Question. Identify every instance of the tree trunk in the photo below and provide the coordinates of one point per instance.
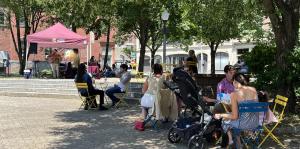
(142, 56)
(152, 57)
(74, 27)
(213, 49)
(285, 24)
(143, 41)
(107, 44)
(19, 46)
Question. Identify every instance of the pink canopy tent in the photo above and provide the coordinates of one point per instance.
(57, 36)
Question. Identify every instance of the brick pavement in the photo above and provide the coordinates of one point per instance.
(38, 123)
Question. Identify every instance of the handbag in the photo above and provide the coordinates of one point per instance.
(139, 125)
(147, 100)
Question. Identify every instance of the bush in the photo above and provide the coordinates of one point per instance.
(46, 73)
(262, 65)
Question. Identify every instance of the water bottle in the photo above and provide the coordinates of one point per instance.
(219, 96)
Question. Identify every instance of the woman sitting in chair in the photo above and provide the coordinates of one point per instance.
(242, 93)
(83, 77)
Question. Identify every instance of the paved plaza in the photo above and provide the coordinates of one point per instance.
(38, 123)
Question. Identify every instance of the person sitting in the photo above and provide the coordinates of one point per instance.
(92, 61)
(83, 76)
(125, 78)
(108, 71)
(263, 96)
(226, 85)
(242, 93)
(114, 70)
(69, 74)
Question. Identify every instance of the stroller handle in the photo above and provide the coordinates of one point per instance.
(171, 85)
(202, 104)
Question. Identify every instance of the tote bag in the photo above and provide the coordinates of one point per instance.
(147, 100)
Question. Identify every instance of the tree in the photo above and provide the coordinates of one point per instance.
(174, 32)
(92, 15)
(284, 17)
(135, 17)
(141, 17)
(128, 51)
(25, 14)
(214, 22)
(73, 13)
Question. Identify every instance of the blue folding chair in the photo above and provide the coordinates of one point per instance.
(249, 128)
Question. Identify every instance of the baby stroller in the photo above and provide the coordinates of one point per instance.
(190, 125)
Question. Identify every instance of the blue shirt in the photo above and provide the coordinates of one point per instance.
(86, 79)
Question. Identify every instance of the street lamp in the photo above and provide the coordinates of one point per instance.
(164, 17)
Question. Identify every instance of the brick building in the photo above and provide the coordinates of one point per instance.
(7, 46)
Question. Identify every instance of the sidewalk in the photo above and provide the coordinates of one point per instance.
(39, 123)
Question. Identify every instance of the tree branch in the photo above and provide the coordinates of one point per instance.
(271, 11)
(12, 32)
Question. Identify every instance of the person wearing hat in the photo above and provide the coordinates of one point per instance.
(226, 85)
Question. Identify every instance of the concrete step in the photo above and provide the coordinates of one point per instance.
(17, 85)
(55, 88)
(42, 95)
(40, 90)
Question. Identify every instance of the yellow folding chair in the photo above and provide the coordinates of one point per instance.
(122, 97)
(92, 98)
(139, 76)
(280, 101)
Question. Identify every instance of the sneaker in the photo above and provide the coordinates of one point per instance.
(115, 102)
(101, 108)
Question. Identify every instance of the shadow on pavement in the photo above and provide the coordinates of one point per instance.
(107, 129)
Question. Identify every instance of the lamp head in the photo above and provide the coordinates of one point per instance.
(165, 15)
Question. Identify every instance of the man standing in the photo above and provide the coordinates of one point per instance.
(55, 59)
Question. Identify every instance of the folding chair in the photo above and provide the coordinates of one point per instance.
(139, 76)
(279, 101)
(122, 97)
(245, 110)
(92, 98)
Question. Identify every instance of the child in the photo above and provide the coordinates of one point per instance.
(269, 117)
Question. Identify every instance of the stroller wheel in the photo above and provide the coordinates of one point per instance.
(197, 142)
(173, 137)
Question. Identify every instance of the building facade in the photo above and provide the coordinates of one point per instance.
(7, 47)
(228, 52)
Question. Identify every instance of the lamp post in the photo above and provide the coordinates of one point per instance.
(164, 17)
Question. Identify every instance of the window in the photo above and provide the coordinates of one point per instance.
(2, 18)
(221, 60)
(147, 60)
(157, 59)
(242, 51)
